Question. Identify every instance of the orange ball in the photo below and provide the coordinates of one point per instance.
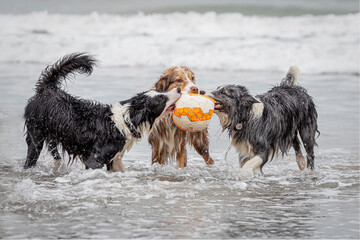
(193, 112)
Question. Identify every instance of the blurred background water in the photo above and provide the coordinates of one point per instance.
(247, 7)
(243, 42)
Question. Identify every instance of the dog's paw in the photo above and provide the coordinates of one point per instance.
(210, 161)
(245, 173)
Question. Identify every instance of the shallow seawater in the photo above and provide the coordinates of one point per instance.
(195, 202)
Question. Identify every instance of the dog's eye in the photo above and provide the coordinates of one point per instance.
(178, 80)
(193, 79)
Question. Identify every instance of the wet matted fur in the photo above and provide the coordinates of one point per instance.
(98, 134)
(263, 125)
(166, 139)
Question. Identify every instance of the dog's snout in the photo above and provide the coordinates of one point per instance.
(194, 89)
(178, 90)
(202, 92)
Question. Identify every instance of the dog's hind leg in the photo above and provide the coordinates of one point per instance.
(299, 157)
(308, 139)
(35, 143)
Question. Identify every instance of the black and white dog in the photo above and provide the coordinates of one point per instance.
(95, 133)
(261, 126)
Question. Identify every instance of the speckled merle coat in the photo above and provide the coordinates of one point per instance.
(263, 125)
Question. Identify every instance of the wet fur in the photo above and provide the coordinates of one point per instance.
(260, 127)
(93, 132)
(167, 140)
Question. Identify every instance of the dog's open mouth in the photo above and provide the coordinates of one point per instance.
(218, 104)
(170, 108)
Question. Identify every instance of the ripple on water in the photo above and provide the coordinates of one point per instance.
(163, 199)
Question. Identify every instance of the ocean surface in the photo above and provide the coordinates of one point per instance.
(251, 43)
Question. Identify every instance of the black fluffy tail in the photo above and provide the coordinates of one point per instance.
(292, 76)
(53, 75)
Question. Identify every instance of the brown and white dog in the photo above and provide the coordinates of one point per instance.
(167, 140)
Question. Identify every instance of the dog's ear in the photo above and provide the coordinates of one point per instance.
(163, 83)
(139, 117)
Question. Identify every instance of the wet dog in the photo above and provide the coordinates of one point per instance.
(167, 140)
(97, 134)
(263, 125)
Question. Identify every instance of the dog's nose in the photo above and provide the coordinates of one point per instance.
(194, 89)
(202, 92)
(178, 90)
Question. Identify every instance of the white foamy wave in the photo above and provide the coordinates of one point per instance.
(227, 41)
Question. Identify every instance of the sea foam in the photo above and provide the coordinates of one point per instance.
(226, 41)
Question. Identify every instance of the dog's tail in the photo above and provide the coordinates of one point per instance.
(52, 76)
(292, 76)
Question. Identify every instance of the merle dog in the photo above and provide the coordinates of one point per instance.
(97, 134)
(261, 126)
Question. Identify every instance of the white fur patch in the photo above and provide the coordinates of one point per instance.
(187, 78)
(189, 83)
(119, 114)
(153, 93)
(224, 119)
(257, 109)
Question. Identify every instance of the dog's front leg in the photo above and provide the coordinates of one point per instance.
(100, 155)
(250, 167)
(200, 142)
(117, 164)
(243, 160)
(181, 156)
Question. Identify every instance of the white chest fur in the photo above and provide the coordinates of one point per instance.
(120, 115)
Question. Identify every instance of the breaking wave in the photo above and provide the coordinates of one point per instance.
(217, 41)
